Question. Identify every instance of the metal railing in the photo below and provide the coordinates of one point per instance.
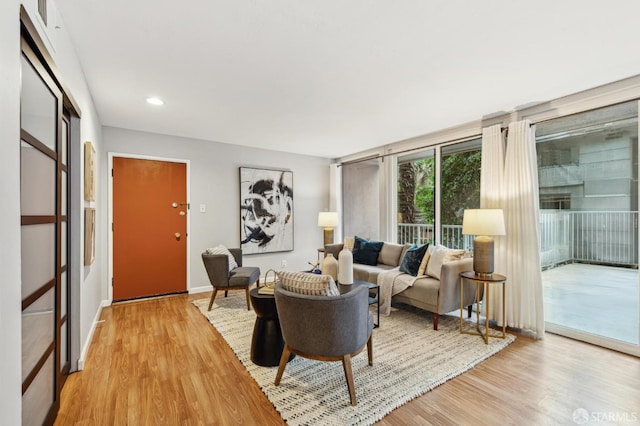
(609, 238)
(600, 237)
(420, 233)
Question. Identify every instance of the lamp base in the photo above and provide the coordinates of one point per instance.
(328, 236)
(483, 256)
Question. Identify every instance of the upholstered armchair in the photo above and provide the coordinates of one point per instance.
(224, 278)
(325, 328)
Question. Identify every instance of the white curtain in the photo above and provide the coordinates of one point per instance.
(492, 197)
(518, 253)
(525, 308)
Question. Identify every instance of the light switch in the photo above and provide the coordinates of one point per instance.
(203, 208)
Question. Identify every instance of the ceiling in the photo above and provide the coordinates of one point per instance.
(335, 77)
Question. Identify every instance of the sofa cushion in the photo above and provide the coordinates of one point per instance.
(349, 242)
(412, 259)
(440, 255)
(425, 261)
(425, 292)
(366, 252)
(310, 284)
(369, 273)
(390, 254)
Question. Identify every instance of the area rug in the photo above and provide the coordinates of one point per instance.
(410, 359)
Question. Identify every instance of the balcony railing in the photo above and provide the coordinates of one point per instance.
(608, 238)
(420, 233)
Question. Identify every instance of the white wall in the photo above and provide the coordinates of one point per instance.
(214, 181)
(10, 299)
(87, 279)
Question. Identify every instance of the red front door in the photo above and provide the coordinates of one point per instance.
(149, 228)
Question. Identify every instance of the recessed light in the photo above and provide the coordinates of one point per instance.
(155, 101)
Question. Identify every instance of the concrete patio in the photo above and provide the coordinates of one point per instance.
(601, 300)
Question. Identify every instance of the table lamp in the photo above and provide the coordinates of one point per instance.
(483, 223)
(328, 221)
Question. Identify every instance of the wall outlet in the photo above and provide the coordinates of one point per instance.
(203, 208)
(283, 264)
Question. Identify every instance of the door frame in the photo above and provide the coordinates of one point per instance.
(111, 156)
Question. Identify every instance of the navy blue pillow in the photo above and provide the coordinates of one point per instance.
(412, 259)
(366, 252)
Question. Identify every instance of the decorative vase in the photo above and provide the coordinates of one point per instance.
(345, 267)
(330, 266)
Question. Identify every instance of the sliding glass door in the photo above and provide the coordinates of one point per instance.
(588, 187)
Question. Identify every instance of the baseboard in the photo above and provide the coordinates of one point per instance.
(96, 321)
(202, 289)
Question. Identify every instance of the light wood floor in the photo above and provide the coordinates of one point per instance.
(159, 362)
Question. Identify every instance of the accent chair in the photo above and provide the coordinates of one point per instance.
(325, 328)
(222, 278)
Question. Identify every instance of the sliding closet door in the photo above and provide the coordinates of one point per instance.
(43, 223)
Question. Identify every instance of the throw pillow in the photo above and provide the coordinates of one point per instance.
(440, 256)
(366, 252)
(349, 242)
(310, 284)
(223, 250)
(425, 260)
(412, 259)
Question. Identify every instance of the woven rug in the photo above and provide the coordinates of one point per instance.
(409, 359)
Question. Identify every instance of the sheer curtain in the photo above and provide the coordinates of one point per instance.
(361, 199)
(492, 197)
(525, 308)
(515, 190)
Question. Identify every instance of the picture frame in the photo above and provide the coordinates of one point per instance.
(89, 172)
(89, 235)
(266, 210)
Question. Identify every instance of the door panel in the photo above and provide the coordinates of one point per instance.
(149, 234)
(588, 187)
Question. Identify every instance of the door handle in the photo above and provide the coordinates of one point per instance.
(177, 235)
(175, 205)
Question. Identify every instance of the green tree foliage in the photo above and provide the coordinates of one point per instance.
(406, 193)
(425, 184)
(460, 186)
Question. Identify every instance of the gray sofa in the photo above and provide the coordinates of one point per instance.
(433, 295)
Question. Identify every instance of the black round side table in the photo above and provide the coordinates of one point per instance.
(267, 342)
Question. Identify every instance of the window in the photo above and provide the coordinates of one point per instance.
(459, 189)
(419, 187)
(416, 198)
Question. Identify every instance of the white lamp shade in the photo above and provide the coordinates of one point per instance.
(328, 219)
(483, 222)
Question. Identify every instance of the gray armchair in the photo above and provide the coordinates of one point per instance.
(221, 278)
(325, 328)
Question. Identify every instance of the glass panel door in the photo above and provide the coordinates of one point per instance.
(588, 186)
(41, 226)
